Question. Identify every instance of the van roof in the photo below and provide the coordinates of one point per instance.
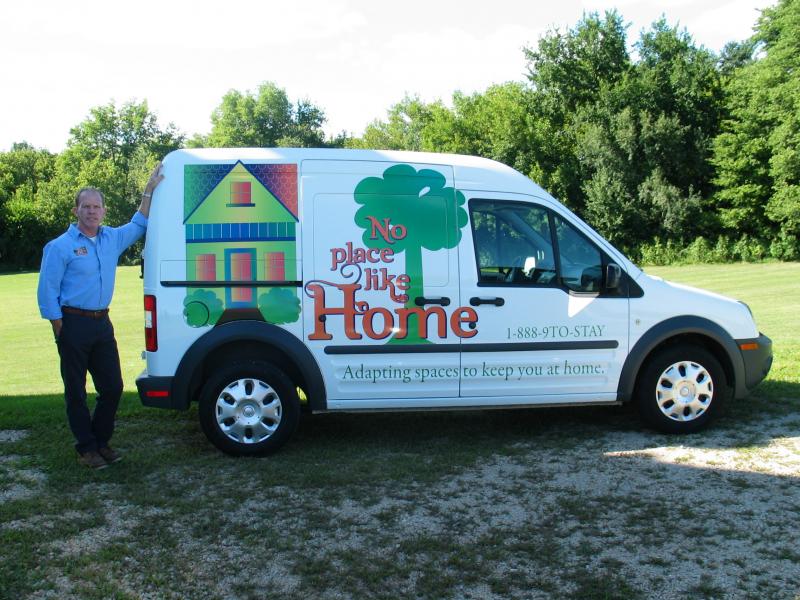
(471, 172)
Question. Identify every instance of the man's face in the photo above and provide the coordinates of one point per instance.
(90, 212)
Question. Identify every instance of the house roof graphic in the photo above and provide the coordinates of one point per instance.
(200, 181)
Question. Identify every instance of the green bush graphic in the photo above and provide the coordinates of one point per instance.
(279, 305)
(202, 307)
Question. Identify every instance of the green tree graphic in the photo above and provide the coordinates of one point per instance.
(418, 201)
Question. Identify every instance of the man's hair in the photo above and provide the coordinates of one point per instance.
(89, 190)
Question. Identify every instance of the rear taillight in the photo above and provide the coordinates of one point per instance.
(150, 324)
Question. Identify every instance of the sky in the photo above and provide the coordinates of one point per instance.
(352, 58)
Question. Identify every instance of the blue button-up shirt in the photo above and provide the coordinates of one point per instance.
(80, 273)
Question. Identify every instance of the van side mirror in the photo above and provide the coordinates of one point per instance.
(613, 276)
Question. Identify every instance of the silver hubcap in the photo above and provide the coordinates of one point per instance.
(684, 391)
(248, 411)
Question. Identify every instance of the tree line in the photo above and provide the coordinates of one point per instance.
(670, 151)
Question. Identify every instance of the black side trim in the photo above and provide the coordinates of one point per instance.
(676, 326)
(145, 383)
(492, 347)
(249, 331)
(230, 284)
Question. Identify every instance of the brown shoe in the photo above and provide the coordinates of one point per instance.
(109, 454)
(93, 460)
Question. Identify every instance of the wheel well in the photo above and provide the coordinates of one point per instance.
(244, 350)
(696, 339)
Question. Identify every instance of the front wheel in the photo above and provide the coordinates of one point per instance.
(681, 389)
(249, 408)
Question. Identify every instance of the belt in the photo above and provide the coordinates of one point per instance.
(92, 314)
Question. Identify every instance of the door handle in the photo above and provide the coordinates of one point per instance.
(422, 301)
(475, 301)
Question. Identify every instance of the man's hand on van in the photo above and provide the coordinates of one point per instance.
(156, 177)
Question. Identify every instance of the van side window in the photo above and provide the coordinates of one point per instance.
(581, 262)
(512, 243)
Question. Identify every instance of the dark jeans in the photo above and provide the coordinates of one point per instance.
(87, 344)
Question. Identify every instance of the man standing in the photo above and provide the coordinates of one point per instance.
(76, 283)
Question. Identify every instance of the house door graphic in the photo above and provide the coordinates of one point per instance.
(240, 265)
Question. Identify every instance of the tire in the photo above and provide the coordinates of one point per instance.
(681, 389)
(249, 408)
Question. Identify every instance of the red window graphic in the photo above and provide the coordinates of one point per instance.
(274, 266)
(240, 193)
(205, 267)
(242, 270)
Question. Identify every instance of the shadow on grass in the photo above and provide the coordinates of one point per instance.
(369, 447)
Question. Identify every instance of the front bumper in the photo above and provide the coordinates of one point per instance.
(155, 391)
(757, 359)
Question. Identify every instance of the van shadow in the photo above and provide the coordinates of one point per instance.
(592, 481)
(771, 412)
(367, 446)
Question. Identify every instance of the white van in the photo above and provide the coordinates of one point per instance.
(366, 280)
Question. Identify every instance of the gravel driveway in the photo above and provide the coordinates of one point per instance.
(602, 510)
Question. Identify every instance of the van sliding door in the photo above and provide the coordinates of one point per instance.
(382, 282)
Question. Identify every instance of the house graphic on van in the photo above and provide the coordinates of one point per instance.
(240, 224)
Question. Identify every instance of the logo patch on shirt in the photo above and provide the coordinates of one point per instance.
(82, 251)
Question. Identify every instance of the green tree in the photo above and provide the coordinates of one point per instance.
(681, 82)
(24, 165)
(114, 149)
(629, 145)
(23, 170)
(736, 55)
(264, 119)
(403, 129)
(757, 159)
(493, 124)
(117, 134)
(429, 213)
(567, 71)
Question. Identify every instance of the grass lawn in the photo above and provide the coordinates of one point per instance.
(772, 290)
(28, 339)
(579, 503)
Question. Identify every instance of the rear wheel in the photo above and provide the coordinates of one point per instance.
(249, 408)
(681, 389)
